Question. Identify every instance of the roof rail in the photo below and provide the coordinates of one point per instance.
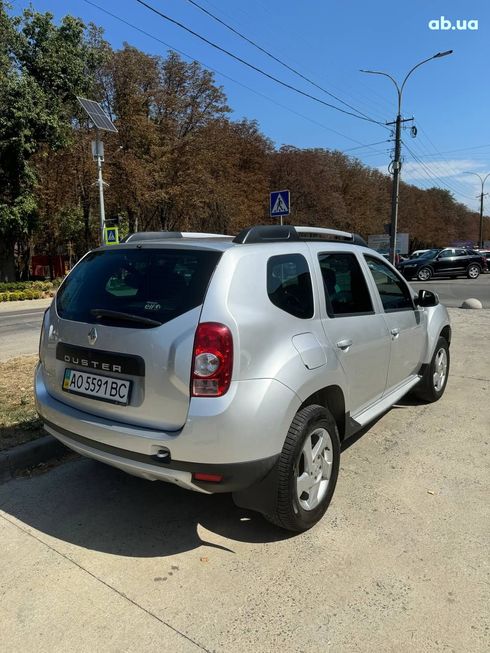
(263, 233)
(163, 235)
(281, 233)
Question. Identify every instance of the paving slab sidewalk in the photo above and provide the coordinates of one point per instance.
(95, 560)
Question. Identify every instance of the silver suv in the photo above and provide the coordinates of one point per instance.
(236, 365)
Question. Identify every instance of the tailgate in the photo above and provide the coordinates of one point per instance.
(118, 341)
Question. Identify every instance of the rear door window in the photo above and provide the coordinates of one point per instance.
(154, 284)
(346, 291)
(289, 284)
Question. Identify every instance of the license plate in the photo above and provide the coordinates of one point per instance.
(105, 388)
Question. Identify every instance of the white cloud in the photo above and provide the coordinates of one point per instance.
(443, 168)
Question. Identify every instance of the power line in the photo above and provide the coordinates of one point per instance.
(350, 149)
(274, 58)
(218, 72)
(444, 167)
(252, 66)
(307, 42)
(431, 175)
(462, 149)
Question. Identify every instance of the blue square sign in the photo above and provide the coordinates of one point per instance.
(279, 203)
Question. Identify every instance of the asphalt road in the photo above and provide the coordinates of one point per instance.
(96, 560)
(453, 292)
(19, 331)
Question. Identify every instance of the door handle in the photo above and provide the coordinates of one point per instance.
(344, 344)
(395, 333)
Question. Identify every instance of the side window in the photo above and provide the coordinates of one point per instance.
(446, 253)
(346, 291)
(394, 293)
(289, 284)
(460, 252)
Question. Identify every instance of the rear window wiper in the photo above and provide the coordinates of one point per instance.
(124, 317)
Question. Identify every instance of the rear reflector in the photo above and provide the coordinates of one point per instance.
(210, 478)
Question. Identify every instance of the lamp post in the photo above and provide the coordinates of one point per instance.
(397, 157)
(482, 195)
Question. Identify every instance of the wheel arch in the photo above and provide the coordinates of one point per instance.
(332, 398)
(446, 333)
(438, 325)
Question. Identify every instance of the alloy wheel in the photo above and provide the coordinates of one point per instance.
(440, 369)
(314, 468)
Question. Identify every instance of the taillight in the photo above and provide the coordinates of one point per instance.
(212, 361)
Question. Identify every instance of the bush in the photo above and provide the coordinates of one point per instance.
(26, 289)
(18, 295)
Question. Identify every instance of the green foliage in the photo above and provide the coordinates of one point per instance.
(43, 66)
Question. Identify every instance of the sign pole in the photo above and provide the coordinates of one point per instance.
(100, 183)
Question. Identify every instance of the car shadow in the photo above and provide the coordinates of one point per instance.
(98, 507)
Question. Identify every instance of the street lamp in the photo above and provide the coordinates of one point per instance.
(397, 158)
(482, 194)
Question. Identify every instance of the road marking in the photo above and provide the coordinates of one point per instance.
(12, 314)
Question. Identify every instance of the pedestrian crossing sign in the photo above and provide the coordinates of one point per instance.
(279, 203)
(111, 235)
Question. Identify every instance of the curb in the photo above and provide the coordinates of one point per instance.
(28, 455)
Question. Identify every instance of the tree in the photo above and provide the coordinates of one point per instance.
(43, 68)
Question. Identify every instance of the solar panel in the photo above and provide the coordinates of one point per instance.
(97, 115)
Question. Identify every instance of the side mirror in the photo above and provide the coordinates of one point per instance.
(427, 298)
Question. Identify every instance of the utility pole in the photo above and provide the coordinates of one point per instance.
(396, 163)
(482, 195)
(395, 189)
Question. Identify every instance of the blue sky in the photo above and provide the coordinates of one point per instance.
(329, 41)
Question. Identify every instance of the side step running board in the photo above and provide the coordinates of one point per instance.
(383, 404)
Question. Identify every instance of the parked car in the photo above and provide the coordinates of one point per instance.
(419, 252)
(447, 262)
(486, 254)
(238, 365)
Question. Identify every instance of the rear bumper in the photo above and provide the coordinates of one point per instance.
(240, 440)
(236, 476)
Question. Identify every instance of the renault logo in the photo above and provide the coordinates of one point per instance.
(92, 335)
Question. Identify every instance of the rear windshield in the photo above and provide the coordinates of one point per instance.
(157, 285)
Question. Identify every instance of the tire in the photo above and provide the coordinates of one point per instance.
(427, 389)
(473, 271)
(313, 427)
(424, 274)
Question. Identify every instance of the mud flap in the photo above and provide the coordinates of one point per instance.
(261, 496)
